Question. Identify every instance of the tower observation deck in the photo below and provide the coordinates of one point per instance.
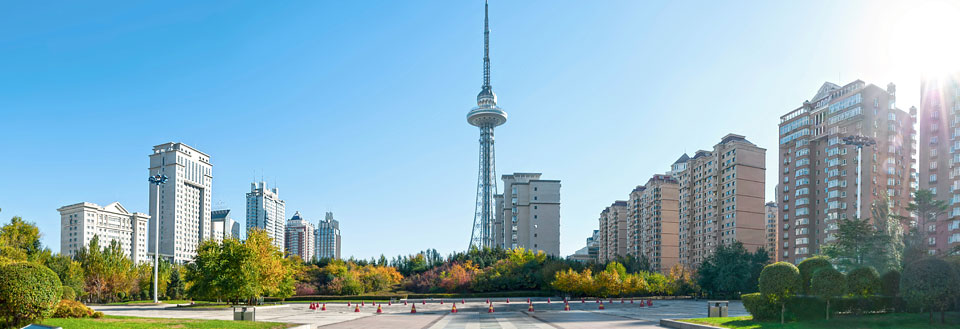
(485, 116)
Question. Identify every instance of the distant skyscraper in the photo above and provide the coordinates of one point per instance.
(300, 238)
(80, 222)
(328, 237)
(939, 119)
(655, 221)
(266, 211)
(486, 116)
(772, 239)
(613, 232)
(184, 200)
(528, 213)
(223, 226)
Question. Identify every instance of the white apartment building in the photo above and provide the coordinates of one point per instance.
(80, 222)
(328, 237)
(300, 238)
(528, 213)
(184, 211)
(223, 226)
(266, 211)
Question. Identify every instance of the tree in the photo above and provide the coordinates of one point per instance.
(858, 243)
(682, 279)
(810, 265)
(28, 292)
(930, 283)
(826, 283)
(175, 285)
(928, 210)
(731, 270)
(21, 235)
(108, 272)
(68, 270)
(863, 281)
(780, 281)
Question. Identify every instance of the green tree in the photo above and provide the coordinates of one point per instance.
(176, 285)
(826, 283)
(857, 243)
(68, 270)
(21, 235)
(108, 272)
(731, 270)
(928, 210)
(780, 281)
(810, 265)
(863, 281)
(930, 283)
(28, 292)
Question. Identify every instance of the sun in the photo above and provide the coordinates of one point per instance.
(924, 39)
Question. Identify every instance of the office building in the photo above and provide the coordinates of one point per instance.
(772, 221)
(613, 232)
(528, 213)
(223, 226)
(721, 199)
(939, 123)
(654, 222)
(818, 175)
(184, 211)
(328, 237)
(80, 222)
(265, 211)
(300, 238)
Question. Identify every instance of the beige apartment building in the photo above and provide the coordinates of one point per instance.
(721, 199)
(528, 213)
(772, 240)
(939, 119)
(654, 222)
(80, 222)
(613, 232)
(818, 183)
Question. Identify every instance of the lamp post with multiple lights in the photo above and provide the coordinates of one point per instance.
(157, 180)
(859, 142)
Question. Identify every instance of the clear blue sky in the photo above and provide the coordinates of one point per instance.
(358, 107)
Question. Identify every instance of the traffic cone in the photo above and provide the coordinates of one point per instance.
(548, 300)
(441, 301)
(641, 303)
(379, 310)
(462, 301)
(490, 309)
(601, 306)
(611, 300)
(413, 308)
(488, 300)
(528, 300)
(454, 310)
(530, 307)
(621, 300)
(508, 300)
(357, 309)
(631, 300)
(389, 302)
(649, 302)
(423, 302)
(582, 300)
(598, 300)
(324, 308)
(566, 307)
(404, 302)
(362, 303)
(348, 304)
(311, 306)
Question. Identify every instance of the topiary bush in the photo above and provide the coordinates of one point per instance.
(780, 281)
(28, 292)
(890, 283)
(808, 266)
(760, 307)
(863, 281)
(68, 293)
(72, 309)
(827, 283)
(931, 284)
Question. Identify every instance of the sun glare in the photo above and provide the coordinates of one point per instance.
(924, 39)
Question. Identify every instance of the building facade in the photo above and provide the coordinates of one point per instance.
(80, 222)
(300, 238)
(223, 226)
(328, 237)
(528, 213)
(614, 229)
(267, 212)
(773, 241)
(184, 211)
(818, 184)
(654, 222)
(721, 199)
(939, 123)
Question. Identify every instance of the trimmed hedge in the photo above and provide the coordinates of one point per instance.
(780, 280)
(814, 308)
(760, 307)
(931, 284)
(72, 309)
(810, 266)
(28, 292)
(863, 281)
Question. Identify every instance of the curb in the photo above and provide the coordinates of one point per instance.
(685, 325)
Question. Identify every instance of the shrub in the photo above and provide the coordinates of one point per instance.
(890, 283)
(827, 283)
(863, 281)
(779, 281)
(97, 315)
(760, 306)
(28, 292)
(930, 284)
(68, 293)
(72, 309)
(809, 266)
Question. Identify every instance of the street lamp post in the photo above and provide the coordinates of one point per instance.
(157, 180)
(859, 142)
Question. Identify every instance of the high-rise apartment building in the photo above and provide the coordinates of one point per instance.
(818, 184)
(328, 237)
(939, 122)
(300, 238)
(80, 222)
(721, 199)
(614, 229)
(223, 226)
(654, 222)
(184, 211)
(770, 209)
(528, 213)
(267, 212)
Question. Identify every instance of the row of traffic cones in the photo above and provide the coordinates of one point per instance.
(530, 308)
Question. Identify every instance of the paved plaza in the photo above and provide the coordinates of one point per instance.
(472, 314)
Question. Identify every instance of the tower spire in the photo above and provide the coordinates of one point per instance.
(486, 44)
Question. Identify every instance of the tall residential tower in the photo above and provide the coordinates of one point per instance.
(528, 213)
(184, 212)
(940, 159)
(266, 211)
(328, 237)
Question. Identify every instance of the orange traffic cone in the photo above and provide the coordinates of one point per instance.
(311, 306)
(362, 303)
(548, 300)
(441, 301)
(404, 303)
(582, 300)
(454, 310)
(389, 302)
(357, 309)
(348, 304)
(324, 308)
(423, 302)
(379, 310)
(528, 300)
(621, 300)
(462, 301)
(508, 300)
(649, 302)
(631, 300)
(566, 307)
(488, 300)
(490, 309)
(601, 306)
(413, 308)
(530, 307)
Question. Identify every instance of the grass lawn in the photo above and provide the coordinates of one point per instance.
(898, 320)
(117, 322)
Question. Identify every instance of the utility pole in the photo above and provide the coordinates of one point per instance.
(859, 142)
(157, 180)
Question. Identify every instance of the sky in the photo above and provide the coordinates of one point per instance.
(358, 107)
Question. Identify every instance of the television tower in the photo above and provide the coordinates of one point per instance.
(485, 116)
